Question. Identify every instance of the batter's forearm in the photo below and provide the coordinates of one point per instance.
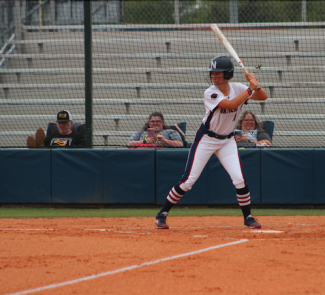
(259, 95)
(234, 103)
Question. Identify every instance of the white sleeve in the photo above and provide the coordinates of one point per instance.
(212, 98)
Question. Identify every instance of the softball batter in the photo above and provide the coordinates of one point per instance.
(223, 103)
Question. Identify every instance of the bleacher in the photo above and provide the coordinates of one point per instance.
(137, 72)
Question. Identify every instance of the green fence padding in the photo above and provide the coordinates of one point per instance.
(287, 176)
(319, 176)
(25, 176)
(145, 176)
(221, 188)
(129, 176)
(170, 166)
(77, 176)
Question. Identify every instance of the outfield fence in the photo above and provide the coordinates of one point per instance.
(149, 56)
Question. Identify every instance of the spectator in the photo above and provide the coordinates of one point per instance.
(64, 138)
(249, 132)
(161, 135)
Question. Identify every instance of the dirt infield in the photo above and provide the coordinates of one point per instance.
(197, 255)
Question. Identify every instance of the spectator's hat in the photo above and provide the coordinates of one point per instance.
(63, 116)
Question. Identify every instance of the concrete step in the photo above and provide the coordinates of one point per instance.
(181, 75)
(171, 42)
(31, 61)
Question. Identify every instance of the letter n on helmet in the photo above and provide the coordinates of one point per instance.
(222, 64)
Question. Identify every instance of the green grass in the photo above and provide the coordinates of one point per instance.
(134, 212)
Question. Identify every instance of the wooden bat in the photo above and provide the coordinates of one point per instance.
(229, 47)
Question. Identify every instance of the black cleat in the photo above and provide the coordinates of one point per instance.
(161, 220)
(251, 222)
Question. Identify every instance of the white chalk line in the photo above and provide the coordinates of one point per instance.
(255, 239)
(154, 229)
(254, 231)
(287, 239)
(28, 229)
(115, 230)
(151, 228)
(121, 231)
(144, 228)
(69, 229)
(127, 268)
(294, 223)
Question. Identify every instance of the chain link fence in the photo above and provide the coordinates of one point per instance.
(241, 11)
(151, 56)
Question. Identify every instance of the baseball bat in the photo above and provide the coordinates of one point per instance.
(229, 47)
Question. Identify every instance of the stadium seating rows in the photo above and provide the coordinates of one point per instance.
(162, 69)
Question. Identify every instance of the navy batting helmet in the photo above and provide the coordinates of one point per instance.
(222, 64)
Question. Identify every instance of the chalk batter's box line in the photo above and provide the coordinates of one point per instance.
(155, 231)
(100, 229)
(127, 268)
(195, 236)
(150, 228)
(130, 230)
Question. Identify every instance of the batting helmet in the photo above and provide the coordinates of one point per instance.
(222, 64)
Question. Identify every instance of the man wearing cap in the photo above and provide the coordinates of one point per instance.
(65, 137)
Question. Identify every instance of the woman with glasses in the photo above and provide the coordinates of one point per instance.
(223, 102)
(249, 132)
(155, 134)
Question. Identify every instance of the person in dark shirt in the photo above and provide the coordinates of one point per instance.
(65, 137)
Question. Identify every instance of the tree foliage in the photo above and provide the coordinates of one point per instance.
(207, 11)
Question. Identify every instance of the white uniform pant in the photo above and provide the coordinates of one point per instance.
(227, 152)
